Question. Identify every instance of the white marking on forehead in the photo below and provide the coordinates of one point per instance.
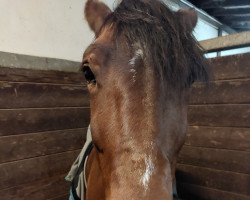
(148, 172)
(134, 72)
(137, 55)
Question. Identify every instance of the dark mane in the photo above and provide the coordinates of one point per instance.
(162, 36)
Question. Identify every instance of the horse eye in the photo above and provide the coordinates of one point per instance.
(89, 75)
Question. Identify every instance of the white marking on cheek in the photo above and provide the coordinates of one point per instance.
(148, 173)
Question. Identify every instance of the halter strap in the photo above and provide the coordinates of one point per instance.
(79, 171)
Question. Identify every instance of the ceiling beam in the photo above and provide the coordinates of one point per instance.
(234, 18)
(217, 12)
(241, 29)
(220, 3)
(243, 25)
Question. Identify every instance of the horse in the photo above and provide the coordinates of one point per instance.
(139, 70)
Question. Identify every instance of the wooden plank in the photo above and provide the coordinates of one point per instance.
(219, 137)
(227, 160)
(20, 121)
(26, 171)
(231, 67)
(191, 192)
(229, 115)
(51, 188)
(23, 95)
(226, 42)
(40, 76)
(216, 179)
(235, 91)
(38, 63)
(25, 146)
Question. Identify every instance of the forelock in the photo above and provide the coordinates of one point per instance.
(175, 54)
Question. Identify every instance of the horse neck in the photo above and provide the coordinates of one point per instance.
(136, 175)
(137, 158)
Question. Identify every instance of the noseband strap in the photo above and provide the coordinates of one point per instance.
(81, 168)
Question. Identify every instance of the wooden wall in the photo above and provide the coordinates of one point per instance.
(214, 164)
(43, 120)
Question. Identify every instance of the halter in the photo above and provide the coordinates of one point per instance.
(77, 173)
(80, 167)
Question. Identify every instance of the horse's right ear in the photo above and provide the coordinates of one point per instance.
(95, 13)
(189, 18)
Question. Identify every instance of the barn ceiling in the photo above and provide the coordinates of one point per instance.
(233, 13)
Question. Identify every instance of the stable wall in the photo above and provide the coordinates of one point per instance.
(44, 117)
(214, 163)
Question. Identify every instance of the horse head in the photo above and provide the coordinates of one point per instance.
(139, 70)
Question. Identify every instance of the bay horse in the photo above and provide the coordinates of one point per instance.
(139, 70)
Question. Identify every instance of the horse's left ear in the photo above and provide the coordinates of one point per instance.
(189, 18)
(95, 13)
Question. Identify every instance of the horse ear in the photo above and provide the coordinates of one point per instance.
(95, 13)
(189, 18)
